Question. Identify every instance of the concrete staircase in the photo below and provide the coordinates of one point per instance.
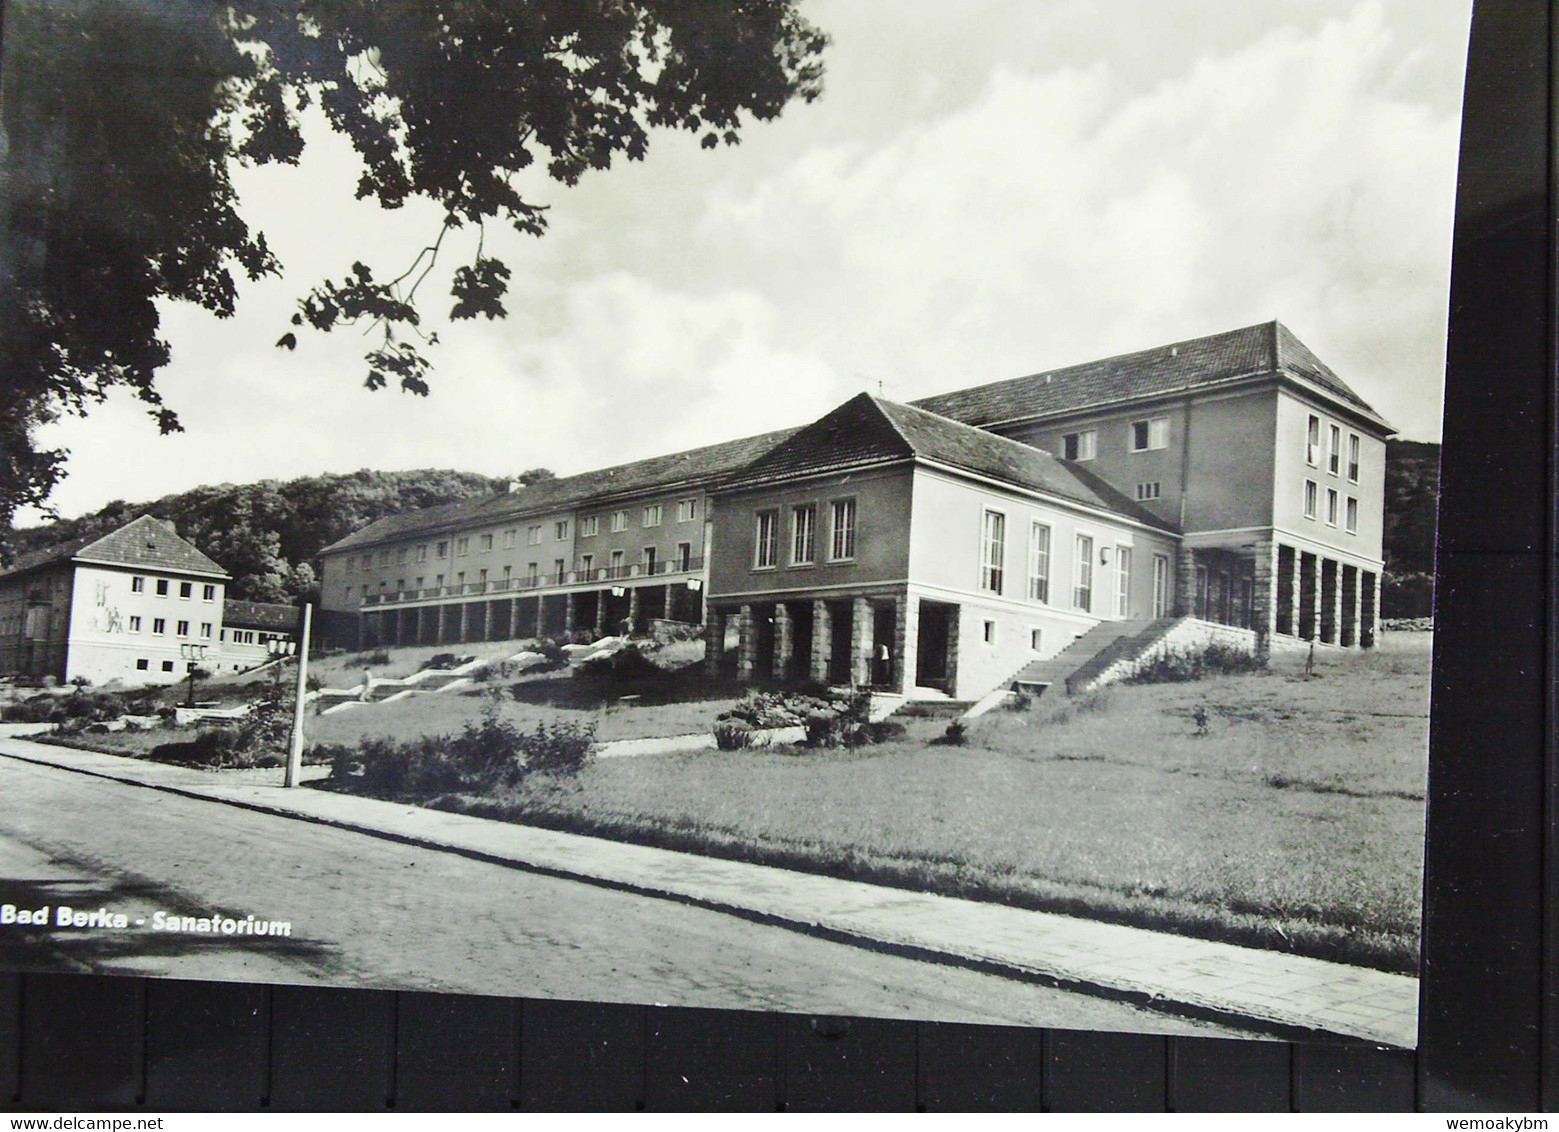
(1075, 666)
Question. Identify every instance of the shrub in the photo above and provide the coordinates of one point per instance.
(446, 660)
(1215, 659)
(622, 672)
(956, 735)
(558, 748)
(732, 735)
(216, 749)
(92, 707)
(35, 709)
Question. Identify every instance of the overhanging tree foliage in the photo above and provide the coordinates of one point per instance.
(125, 117)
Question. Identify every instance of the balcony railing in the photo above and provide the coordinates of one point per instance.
(666, 568)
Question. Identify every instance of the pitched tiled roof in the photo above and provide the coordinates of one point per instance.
(1267, 348)
(269, 615)
(146, 543)
(867, 430)
(693, 467)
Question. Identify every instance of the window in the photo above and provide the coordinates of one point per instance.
(1037, 640)
(590, 526)
(1313, 442)
(167, 666)
(652, 515)
(420, 579)
(1160, 585)
(135, 624)
(1082, 573)
(443, 549)
(842, 540)
(803, 534)
(400, 556)
(509, 537)
(533, 573)
(162, 587)
(462, 547)
(988, 632)
(422, 553)
(1353, 457)
(1080, 445)
(137, 584)
(616, 569)
(1123, 581)
(1149, 434)
(648, 560)
(481, 578)
(763, 541)
(560, 530)
(587, 567)
(1333, 450)
(1039, 562)
(142, 664)
(208, 593)
(1150, 490)
(687, 510)
(1312, 492)
(438, 582)
(993, 551)
(1352, 515)
(186, 590)
(205, 629)
(159, 625)
(533, 535)
(485, 543)
(619, 520)
(559, 570)
(460, 582)
(1331, 506)
(684, 556)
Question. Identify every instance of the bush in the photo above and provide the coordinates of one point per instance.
(217, 749)
(92, 707)
(956, 735)
(445, 660)
(732, 735)
(35, 709)
(623, 672)
(1216, 659)
(829, 720)
(558, 748)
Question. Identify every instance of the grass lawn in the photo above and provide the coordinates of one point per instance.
(1295, 823)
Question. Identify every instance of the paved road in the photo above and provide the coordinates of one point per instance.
(371, 912)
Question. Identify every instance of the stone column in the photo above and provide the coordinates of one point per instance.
(784, 641)
(906, 641)
(1263, 595)
(1331, 609)
(487, 620)
(633, 608)
(443, 622)
(954, 632)
(465, 622)
(569, 612)
(861, 642)
(1294, 612)
(714, 640)
(1185, 582)
(747, 648)
(541, 615)
(600, 611)
(822, 641)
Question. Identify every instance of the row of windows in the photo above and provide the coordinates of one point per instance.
(802, 541)
(649, 562)
(160, 627)
(993, 567)
(1350, 507)
(653, 515)
(1334, 450)
(186, 589)
(1141, 436)
(142, 665)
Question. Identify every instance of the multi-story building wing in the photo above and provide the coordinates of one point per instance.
(889, 546)
(1270, 466)
(601, 550)
(139, 605)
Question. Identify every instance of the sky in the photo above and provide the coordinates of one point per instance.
(985, 189)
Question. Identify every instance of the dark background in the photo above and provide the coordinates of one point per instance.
(1490, 1007)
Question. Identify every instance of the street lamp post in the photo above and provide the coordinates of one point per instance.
(193, 655)
(295, 747)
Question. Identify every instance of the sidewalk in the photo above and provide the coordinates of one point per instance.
(1291, 994)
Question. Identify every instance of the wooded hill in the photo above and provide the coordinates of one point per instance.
(268, 535)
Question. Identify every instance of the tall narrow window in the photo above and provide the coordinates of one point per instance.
(1039, 562)
(616, 569)
(533, 573)
(1333, 450)
(684, 557)
(587, 567)
(137, 584)
(652, 515)
(1082, 574)
(842, 544)
(803, 531)
(764, 543)
(533, 535)
(1331, 506)
(1160, 585)
(560, 530)
(1351, 514)
(993, 551)
(1353, 457)
(1123, 581)
(648, 561)
(559, 571)
(483, 544)
(619, 520)
(1312, 494)
(687, 510)
(1313, 442)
